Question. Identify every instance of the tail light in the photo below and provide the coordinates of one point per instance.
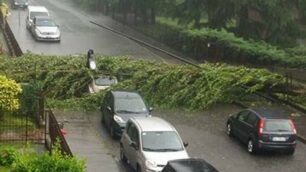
(292, 126)
(261, 127)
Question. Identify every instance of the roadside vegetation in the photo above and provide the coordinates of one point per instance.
(247, 32)
(64, 80)
(20, 160)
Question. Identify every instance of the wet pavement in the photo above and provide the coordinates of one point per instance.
(205, 132)
(78, 34)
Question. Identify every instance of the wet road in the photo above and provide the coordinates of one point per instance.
(205, 132)
(78, 34)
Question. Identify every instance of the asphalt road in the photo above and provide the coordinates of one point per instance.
(78, 34)
(204, 131)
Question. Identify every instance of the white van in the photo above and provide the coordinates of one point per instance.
(34, 11)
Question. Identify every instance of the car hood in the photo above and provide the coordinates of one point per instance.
(43, 29)
(162, 158)
(127, 116)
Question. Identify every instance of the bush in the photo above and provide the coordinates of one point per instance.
(7, 156)
(223, 45)
(32, 162)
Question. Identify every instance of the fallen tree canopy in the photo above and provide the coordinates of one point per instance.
(162, 85)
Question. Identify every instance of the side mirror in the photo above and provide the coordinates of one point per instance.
(134, 145)
(185, 144)
(109, 108)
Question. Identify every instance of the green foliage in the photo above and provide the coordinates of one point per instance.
(9, 90)
(23, 161)
(161, 84)
(7, 156)
(223, 45)
(56, 162)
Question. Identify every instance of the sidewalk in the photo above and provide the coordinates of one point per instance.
(84, 143)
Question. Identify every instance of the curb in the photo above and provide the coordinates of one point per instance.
(299, 137)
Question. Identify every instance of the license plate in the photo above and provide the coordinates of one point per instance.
(279, 139)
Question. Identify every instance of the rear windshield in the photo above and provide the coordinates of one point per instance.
(277, 125)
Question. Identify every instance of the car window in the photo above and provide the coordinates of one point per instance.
(277, 125)
(135, 135)
(34, 14)
(161, 141)
(130, 104)
(45, 22)
(131, 130)
(243, 116)
(252, 119)
(105, 81)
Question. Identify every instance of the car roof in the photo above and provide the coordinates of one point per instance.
(123, 93)
(37, 8)
(270, 113)
(152, 124)
(191, 165)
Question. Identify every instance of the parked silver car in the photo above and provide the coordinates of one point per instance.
(45, 29)
(148, 143)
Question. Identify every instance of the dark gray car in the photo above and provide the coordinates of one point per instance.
(263, 129)
(119, 106)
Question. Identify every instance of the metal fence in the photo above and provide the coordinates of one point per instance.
(54, 134)
(10, 39)
(22, 125)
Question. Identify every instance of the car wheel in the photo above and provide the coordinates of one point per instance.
(290, 151)
(229, 130)
(251, 147)
(112, 131)
(138, 169)
(122, 155)
(102, 119)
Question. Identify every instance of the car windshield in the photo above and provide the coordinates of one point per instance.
(277, 125)
(161, 141)
(105, 81)
(45, 22)
(34, 14)
(21, 1)
(130, 104)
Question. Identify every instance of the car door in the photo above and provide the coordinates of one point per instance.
(132, 137)
(241, 125)
(252, 122)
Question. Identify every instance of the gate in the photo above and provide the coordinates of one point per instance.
(23, 125)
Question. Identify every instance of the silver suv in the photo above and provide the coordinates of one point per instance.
(148, 143)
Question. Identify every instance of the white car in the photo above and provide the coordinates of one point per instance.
(148, 143)
(101, 83)
(34, 11)
(45, 29)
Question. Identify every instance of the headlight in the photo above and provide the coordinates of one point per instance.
(118, 119)
(151, 164)
(15, 3)
(37, 31)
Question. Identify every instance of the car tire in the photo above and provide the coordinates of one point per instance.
(138, 169)
(229, 129)
(290, 151)
(112, 131)
(102, 119)
(122, 155)
(251, 147)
